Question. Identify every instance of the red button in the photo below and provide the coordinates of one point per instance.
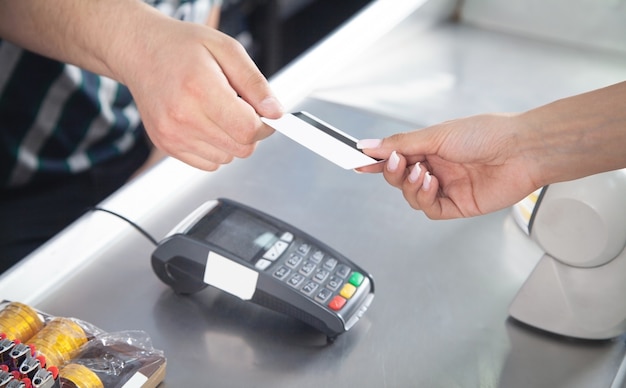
(337, 303)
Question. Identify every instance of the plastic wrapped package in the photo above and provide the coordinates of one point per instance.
(124, 359)
(43, 351)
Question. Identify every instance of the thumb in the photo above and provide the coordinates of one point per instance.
(245, 78)
(417, 142)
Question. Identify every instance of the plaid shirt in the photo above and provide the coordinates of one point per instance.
(57, 119)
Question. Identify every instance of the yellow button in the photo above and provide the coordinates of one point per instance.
(347, 291)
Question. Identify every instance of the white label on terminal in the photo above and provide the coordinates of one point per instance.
(230, 276)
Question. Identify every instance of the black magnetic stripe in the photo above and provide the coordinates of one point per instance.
(326, 130)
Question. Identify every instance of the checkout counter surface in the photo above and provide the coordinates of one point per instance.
(439, 318)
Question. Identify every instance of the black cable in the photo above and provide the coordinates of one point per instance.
(134, 225)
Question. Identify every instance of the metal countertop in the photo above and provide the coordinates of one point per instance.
(439, 318)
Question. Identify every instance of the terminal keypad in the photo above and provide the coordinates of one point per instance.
(313, 272)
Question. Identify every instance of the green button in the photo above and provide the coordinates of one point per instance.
(356, 279)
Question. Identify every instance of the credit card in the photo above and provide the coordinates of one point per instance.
(321, 138)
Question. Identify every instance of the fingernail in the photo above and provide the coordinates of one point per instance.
(426, 183)
(368, 143)
(415, 173)
(393, 162)
(271, 106)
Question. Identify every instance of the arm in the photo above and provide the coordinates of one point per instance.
(198, 92)
(90, 34)
(484, 163)
(156, 155)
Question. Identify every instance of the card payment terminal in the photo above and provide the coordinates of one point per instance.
(260, 258)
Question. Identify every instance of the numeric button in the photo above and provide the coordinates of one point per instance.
(293, 260)
(334, 283)
(317, 256)
(323, 295)
(309, 287)
(304, 248)
(307, 268)
(295, 280)
(330, 264)
(320, 275)
(342, 271)
(282, 272)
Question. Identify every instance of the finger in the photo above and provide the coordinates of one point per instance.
(395, 169)
(203, 154)
(206, 108)
(421, 192)
(206, 158)
(372, 168)
(416, 143)
(235, 114)
(235, 117)
(244, 76)
(365, 144)
(245, 130)
(193, 131)
(431, 204)
(198, 162)
(412, 184)
(265, 132)
(372, 147)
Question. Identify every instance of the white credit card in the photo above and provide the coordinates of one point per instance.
(321, 138)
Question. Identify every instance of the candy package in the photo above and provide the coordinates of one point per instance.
(39, 350)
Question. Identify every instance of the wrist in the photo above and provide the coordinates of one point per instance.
(577, 136)
(126, 37)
